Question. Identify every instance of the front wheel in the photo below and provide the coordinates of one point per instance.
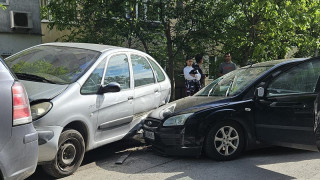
(69, 156)
(225, 141)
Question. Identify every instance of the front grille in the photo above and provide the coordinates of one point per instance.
(151, 123)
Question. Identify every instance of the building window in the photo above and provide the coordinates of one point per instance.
(46, 14)
(146, 10)
(4, 2)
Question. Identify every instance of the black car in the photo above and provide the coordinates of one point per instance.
(273, 102)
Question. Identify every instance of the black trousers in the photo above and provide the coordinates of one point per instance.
(192, 86)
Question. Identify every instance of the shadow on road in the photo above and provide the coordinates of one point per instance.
(100, 154)
(143, 161)
(146, 164)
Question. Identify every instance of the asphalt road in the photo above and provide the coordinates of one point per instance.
(143, 163)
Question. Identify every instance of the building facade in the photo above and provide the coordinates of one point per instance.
(20, 25)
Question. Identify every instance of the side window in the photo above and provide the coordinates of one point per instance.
(298, 80)
(142, 71)
(118, 71)
(92, 84)
(159, 74)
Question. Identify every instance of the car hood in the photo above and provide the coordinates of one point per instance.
(39, 90)
(187, 105)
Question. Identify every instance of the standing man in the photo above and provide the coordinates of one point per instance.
(226, 66)
(199, 60)
(192, 77)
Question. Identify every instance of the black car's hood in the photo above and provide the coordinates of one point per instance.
(39, 90)
(187, 105)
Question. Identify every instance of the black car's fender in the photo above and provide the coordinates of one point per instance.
(203, 125)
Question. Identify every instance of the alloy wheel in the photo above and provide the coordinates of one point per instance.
(226, 140)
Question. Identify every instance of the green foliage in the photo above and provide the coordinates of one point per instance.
(39, 67)
(44, 12)
(261, 30)
(252, 30)
(3, 7)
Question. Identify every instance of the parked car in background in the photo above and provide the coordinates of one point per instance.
(273, 102)
(86, 95)
(18, 138)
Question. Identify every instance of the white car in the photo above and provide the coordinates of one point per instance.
(86, 95)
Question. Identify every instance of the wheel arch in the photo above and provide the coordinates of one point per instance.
(225, 115)
(82, 128)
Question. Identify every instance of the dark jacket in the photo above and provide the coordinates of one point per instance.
(203, 76)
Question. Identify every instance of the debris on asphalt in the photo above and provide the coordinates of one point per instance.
(123, 157)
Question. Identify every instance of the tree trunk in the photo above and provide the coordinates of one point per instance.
(245, 57)
(171, 59)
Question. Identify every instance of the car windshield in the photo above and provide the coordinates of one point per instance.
(232, 83)
(52, 64)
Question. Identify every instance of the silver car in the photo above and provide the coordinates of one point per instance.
(86, 95)
(18, 138)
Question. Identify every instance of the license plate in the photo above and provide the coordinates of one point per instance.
(149, 135)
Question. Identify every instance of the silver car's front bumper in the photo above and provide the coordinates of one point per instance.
(48, 142)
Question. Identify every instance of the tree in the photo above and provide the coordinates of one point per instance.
(260, 30)
(308, 33)
(3, 7)
(164, 29)
(253, 30)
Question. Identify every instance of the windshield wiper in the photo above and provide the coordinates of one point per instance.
(24, 76)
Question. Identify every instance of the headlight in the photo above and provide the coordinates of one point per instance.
(39, 110)
(167, 111)
(177, 120)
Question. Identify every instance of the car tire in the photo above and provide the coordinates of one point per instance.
(224, 141)
(69, 156)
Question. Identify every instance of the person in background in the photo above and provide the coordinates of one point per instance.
(192, 77)
(226, 66)
(199, 61)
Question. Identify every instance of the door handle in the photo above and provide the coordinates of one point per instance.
(130, 97)
(156, 90)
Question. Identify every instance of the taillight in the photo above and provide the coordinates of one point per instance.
(21, 107)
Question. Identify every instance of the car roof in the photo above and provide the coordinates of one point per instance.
(94, 47)
(276, 62)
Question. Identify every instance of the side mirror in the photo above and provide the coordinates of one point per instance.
(260, 91)
(111, 87)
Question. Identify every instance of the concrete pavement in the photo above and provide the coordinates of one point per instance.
(142, 163)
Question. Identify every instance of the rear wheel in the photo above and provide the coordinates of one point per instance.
(69, 156)
(225, 141)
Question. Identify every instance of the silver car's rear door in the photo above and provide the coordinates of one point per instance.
(146, 90)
